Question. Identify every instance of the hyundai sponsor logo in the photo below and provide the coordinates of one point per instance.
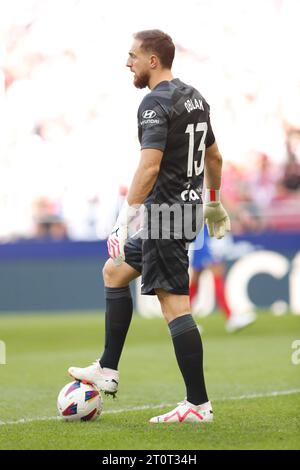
(149, 114)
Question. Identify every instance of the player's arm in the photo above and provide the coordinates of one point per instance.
(213, 167)
(153, 137)
(215, 216)
(142, 184)
(145, 176)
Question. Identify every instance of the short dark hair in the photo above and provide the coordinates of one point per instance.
(158, 42)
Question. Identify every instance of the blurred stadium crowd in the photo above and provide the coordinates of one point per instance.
(68, 141)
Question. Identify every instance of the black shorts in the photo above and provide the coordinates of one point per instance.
(163, 264)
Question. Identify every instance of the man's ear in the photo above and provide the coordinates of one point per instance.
(153, 61)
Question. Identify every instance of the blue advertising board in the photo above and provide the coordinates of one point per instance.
(262, 271)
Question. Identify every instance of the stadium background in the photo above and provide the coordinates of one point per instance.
(69, 142)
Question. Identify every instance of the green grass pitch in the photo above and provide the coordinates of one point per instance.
(254, 387)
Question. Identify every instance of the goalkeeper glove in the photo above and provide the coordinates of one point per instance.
(215, 216)
(117, 239)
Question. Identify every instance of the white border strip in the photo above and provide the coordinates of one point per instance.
(153, 407)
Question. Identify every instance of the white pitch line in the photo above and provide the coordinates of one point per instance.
(276, 393)
(30, 420)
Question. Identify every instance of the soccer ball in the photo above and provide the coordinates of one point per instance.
(78, 401)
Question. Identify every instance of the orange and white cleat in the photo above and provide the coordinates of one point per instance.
(186, 412)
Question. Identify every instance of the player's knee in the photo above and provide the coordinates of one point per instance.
(108, 273)
(162, 307)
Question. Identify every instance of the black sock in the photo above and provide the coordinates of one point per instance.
(117, 320)
(189, 353)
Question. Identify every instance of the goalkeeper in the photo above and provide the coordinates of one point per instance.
(177, 147)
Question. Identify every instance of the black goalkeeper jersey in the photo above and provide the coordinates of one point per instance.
(174, 117)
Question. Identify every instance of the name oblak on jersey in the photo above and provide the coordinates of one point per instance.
(193, 104)
(190, 105)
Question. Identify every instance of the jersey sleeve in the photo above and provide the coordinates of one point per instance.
(153, 123)
(210, 138)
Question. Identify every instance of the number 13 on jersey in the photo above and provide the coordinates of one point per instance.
(200, 127)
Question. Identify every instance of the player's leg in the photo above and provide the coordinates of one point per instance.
(165, 273)
(104, 372)
(189, 354)
(187, 343)
(119, 310)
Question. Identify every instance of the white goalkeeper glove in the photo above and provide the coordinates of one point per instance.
(119, 234)
(215, 216)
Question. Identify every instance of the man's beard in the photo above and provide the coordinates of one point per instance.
(142, 80)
